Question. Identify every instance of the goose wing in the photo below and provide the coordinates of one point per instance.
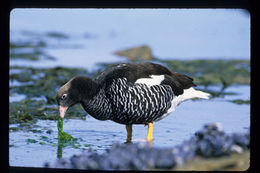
(149, 74)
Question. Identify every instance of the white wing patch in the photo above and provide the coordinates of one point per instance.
(189, 93)
(153, 80)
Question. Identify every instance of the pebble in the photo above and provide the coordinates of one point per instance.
(210, 141)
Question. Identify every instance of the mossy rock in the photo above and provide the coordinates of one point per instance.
(136, 53)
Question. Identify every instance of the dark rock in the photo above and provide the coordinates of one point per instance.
(241, 140)
(211, 141)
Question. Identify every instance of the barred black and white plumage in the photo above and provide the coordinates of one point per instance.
(138, 103)
(129, 93)
(99, 106)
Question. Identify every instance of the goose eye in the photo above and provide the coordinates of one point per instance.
(64, 96)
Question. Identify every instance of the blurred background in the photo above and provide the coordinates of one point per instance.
(92, 35)
(50, 46)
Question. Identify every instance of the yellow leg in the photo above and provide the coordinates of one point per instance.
(129, 133)
(150, 132)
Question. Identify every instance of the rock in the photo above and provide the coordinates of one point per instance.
(234, 162)
(241, 140)
(211, 141)
(137, 53)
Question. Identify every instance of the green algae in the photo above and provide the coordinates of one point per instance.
(40, 102)
(13, 129)
(31, 141)
(45, 138)
(42, 82)
(240, 101)
(64, 139)
(30, 110)
(63, 136)
(27, 44)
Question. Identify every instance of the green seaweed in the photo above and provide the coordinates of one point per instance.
(63, 137)
(87, 145)
(13, 129)
(33, 84)
(31, 141)
(240, 101)
(27, 44)
(45, 138)
(36, 131)
(37, 85)
(29, 110)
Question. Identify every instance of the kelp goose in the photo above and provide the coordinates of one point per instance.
(129, 94)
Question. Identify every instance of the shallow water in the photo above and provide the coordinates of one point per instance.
(99, 135)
